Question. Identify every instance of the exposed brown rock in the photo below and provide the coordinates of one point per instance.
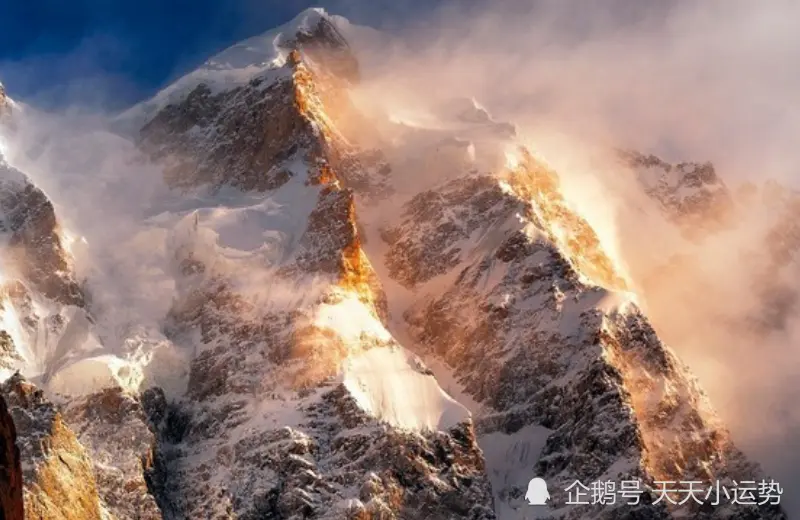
(59, 482)
(11, 507)
(519, 321)
(571, 233)
(113, 428)
(307, 469)
(251, 159)
(270, 125)
(35, 243)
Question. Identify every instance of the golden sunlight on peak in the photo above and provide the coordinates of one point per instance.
(592, 253)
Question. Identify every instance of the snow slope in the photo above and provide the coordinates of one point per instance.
(393, 385)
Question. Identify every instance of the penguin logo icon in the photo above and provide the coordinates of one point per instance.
(537, 493)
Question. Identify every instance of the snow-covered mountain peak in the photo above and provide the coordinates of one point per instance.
(262, 56)
(356, 342)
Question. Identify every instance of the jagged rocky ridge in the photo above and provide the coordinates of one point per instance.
(332, 460)
(282, 417)
(57, 472)
(546, 345)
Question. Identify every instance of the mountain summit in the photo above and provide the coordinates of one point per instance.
(341, 342)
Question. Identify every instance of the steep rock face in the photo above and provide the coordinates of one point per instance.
(548, 345)
(258, 362)
(324, 44)
(11, 507)
(44, 328)
(45, 325)
(35, 245)
(250, 135)
(266, 384)
(251, 158)
(336, 462)
(114, 429)
(58, 476)
(534, 337)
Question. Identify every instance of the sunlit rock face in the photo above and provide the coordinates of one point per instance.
(524, 314)
(316, 334)
(57, 473)
(115, 432)
(267, 383)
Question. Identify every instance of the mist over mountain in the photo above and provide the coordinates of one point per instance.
(338, 272)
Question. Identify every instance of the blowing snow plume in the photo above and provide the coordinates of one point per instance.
(297, 224)
(685, 81)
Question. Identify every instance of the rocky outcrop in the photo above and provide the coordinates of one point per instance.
(690, 194)
(249, 136)
(757, 222)
(324, 44)
(114, 429)
(265, 429)
(58, 476)
(327, 458)
(336, 463)
(11, 507)
(264, 123)
(532, 336)
(45, 324)
(522, 302)
(35, 244)
(254, 158)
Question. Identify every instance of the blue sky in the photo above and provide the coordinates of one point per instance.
(106, 54)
